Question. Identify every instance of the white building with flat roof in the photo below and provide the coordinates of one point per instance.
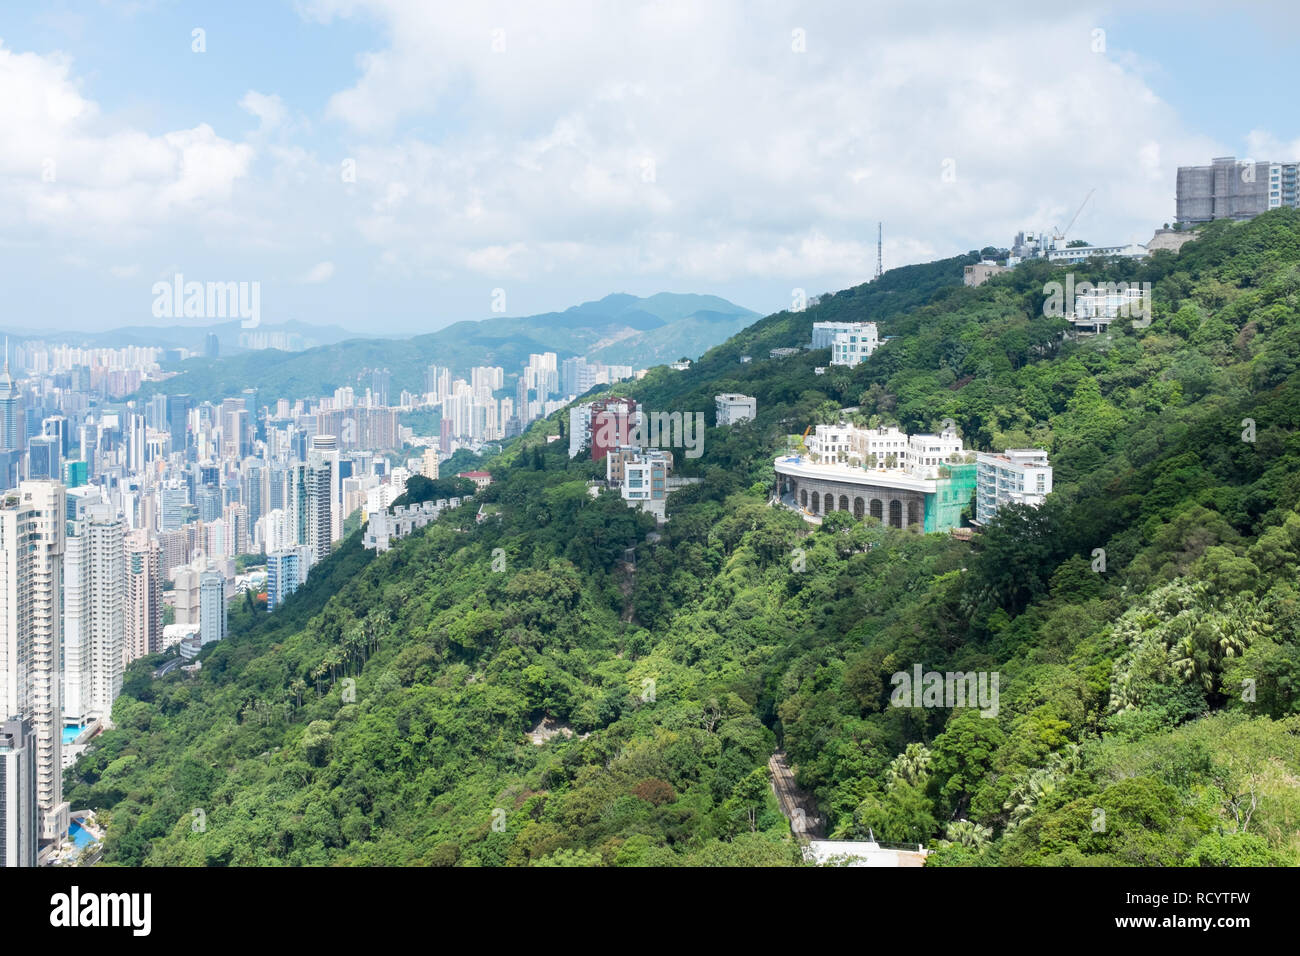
(733, 408)
(383, 526)
(849, 342)
(212, 606)
(286, 571)
(1016, 476)
(1072, 254)
(823, 333)
(918, 481)
(851, 349)
(641, 477)
(1096, 308)
(927, 453)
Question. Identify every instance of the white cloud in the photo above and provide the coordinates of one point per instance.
(692, 138)
(321, 272)
(269, 110)
(68, 172)
(1264, 146)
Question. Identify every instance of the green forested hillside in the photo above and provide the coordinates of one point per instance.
(1149, 710)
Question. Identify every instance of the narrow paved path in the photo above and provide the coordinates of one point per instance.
(799, 807)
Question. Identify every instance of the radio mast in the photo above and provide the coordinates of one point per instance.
(880, 259)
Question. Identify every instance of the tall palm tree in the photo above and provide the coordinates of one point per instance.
(911, 766)
(968, 833)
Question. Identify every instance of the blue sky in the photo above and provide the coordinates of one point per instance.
(563, 151)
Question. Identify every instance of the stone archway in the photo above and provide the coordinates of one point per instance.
(844, 502)
(857, 508)
(913, 515)
(830, 502)
(878, 510)
(815, 503)
(895, 513)
(803, 497)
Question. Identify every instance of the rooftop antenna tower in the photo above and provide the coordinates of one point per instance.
(880, 259)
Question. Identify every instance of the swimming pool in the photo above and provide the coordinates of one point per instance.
(70, 734)
(79, 835)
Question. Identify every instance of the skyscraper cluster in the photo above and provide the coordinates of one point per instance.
(120, 525)
(473, 411)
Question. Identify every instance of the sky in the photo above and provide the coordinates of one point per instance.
(392, 166)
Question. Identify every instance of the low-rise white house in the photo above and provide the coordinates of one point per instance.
(389, 524)
(1095, 309)
(1071, 254)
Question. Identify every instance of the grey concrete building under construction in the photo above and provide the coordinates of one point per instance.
(1234, 189)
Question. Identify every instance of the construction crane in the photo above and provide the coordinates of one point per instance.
(1057, 234)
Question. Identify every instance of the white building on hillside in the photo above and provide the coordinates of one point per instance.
(849, 342)
(884, 449)
(94, 614)
(383, 526)
(1073, 254)
(579, 428)
(1096, 308)
(823, 333)
(1017, 476)
(732, 408)
(641, 477)
(212, 606)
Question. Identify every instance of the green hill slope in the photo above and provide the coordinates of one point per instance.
(1145, 702)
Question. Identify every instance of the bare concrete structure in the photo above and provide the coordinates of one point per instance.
(1171, 239)
(1231, 189)
(981, 272)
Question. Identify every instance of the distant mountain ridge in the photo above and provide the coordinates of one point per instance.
(619, 329)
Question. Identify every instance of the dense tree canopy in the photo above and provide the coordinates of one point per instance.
(568, 706)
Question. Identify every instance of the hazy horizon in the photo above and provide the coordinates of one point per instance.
(270, 324)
